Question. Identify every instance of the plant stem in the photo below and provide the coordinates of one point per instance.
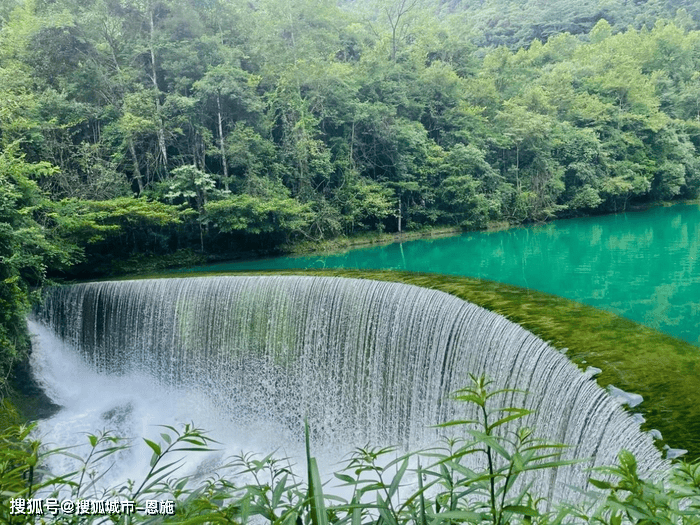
(492, 481)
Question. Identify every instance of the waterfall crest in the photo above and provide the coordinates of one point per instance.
(365, 361)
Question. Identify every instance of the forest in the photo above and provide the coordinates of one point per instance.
(200, 129)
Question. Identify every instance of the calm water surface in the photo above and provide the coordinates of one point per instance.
(643, 265)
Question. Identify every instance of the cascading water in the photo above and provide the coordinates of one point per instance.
(365, 361)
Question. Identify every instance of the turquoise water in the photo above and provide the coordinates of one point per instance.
(642, 265)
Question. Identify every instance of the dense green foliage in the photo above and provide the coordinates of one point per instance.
(246, 126)
(28, 247)
(516, 23)
(473, 477)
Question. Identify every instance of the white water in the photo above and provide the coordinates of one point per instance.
(132, 407)
(249, 357)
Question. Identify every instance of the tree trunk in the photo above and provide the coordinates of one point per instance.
(352, 144)
(154, 78)
(137, 171)
(399, 215)
(221, 142)
(518, 186)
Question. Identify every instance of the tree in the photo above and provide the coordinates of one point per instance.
(398, 14)
(269, 219)
(226, 86)
(27, 249)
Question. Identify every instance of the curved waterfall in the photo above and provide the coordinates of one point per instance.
(365, 361)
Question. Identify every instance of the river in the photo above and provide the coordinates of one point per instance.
(641, 265)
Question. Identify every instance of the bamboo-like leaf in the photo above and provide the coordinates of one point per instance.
(332, 497)
(318, 508)
(154, 446)
(397, 479)
(156, 481)
(278, 491)
(345, 478)
(384, 511)
(206, 518)
(551, 464)
(398, 459)
(373, 486)
(72, 456)
(107, 452)
(165, 468)
(598, 483)
(505, 391)
(469, 398)
(456, 423)
(171, 428)
(544, 444)
(458, 515)
(421, 491)
(193, 449)
(315, 496)
(445, 472)
(522, 509)
(198, 442)
(491, 442)
(461, 469)
(518, 414)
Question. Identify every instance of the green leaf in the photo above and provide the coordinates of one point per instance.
(154, 446)
(345, 478)
(456, 422)
(278, 490)
(384, 511)
(490, 441)
(397, 479)
(521, 509)
(600, 484)
(315, 496)
(470, 398)
(518, 413)
(458, 515)
(318, 508)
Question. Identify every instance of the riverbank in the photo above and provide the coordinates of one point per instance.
(145, 263)
(24, 400)
(342, 243)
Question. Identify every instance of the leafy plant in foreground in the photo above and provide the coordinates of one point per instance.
(630, 499)
(475, 478)
(478, 476)
(508, 455)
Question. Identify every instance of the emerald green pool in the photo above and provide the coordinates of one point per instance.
(641, 265)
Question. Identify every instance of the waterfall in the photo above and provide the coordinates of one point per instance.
(365, 361)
